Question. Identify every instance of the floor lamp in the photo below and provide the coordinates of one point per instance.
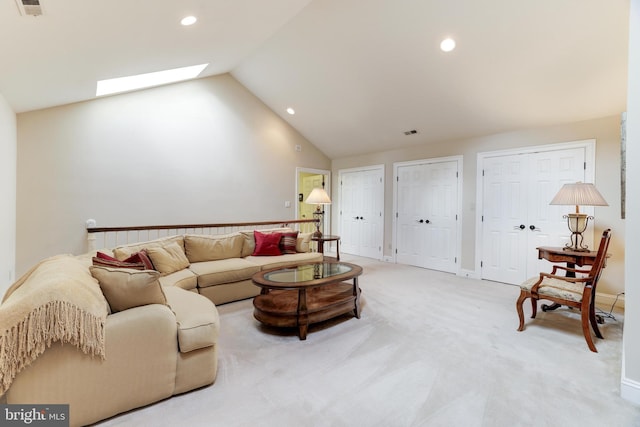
(318, 197)
(578, 194)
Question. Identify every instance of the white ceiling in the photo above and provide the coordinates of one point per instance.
(358, 72)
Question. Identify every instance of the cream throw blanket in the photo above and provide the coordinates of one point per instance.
(57, 300)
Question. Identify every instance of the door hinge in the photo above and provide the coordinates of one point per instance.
(480, 264)
(396, 250)
(397, 179)
(456, 217)
(585, 165)
(482, 172)
(455, 260)
(396, 214)
(482, 218)
(457, 175)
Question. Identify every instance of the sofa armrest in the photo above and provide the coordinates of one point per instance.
(197, 318)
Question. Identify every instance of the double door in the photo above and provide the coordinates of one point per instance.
(427, 214)
(361, 212)
(516, 215)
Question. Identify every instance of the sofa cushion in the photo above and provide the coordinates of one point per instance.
(197, 319)
(125, 251)
(267, 262)
(267, 244)
(168, 259)
(125, 288)
(288, 242)
(211, 273)
(303, 241)
(185, 279)
(210, 248)
(250, 241)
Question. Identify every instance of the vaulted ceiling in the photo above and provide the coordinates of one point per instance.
(359, 73)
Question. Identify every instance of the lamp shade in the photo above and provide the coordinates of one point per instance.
(318, 197)
(580, 193)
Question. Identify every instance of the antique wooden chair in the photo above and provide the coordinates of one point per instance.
(578, 292)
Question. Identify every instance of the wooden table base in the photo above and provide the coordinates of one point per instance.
(302, 307)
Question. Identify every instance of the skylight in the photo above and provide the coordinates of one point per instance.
(141, 81)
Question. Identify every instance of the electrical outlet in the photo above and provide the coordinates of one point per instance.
(298, 147)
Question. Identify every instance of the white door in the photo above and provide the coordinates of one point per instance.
(427, 215)
(517, 217)
(361, 212)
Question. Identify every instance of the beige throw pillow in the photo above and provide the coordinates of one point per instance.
(125, 288)
(168, 259)
(302, 242)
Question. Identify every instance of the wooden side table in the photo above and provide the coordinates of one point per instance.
(571, 258)
(327, 238)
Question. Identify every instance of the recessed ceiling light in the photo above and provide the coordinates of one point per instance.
(188, 20)
(291, 111)
(141, 81)
(447, 45)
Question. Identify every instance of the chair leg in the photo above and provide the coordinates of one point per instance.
(585, 327)
(519, 302)
(534, 307)
(593, 320)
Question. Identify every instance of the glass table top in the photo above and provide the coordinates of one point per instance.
(308, 272)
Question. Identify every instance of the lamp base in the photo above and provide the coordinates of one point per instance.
(576, 243)
(577, 223)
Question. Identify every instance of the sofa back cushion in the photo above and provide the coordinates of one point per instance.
(201, 248)
(169, 258)
(249, 246)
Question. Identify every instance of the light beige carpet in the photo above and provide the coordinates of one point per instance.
(431, 349)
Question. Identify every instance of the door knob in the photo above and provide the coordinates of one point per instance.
(533, 228)
(421, 221)
(427, 222)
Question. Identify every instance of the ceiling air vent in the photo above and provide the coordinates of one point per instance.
(29, 7)
(410, 132)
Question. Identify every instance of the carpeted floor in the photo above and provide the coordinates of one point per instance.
(431, 349)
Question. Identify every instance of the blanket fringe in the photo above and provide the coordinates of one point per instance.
(54, 321)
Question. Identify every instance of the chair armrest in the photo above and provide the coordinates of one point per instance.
(573, 270)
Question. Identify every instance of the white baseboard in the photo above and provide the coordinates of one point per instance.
(606, 301)
(471, 274)
(630, 390)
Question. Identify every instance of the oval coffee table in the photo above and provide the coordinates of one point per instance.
(299, 295)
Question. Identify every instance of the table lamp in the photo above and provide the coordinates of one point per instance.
(318, 197)
(577, 194)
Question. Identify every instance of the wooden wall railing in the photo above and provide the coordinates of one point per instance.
(110, 237)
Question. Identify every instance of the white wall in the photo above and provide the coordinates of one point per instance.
(8, 141)
(606, 132)
(631, 348)
(195, 152)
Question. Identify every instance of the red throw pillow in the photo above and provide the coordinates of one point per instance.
(138, 261)
(288, 242)
(267, 244)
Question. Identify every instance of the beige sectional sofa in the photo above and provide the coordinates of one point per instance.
(108, 351)
(219, 267)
